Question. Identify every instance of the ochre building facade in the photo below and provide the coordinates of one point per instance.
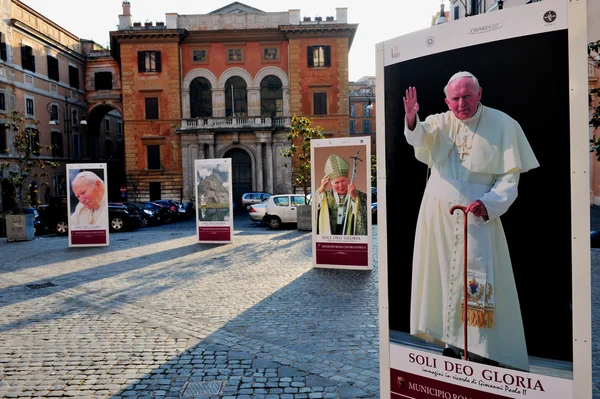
(225, 85)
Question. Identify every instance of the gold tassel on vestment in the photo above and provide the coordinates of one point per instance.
(478, 318)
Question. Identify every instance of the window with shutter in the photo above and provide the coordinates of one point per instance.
(52, 68)
(29, 107)
(319, 56)
(152, 108)
(153, 157)
(367, 126)
(3, 55)
(34, 140)
(73, 77)
(57, 144)
(3, 140)
(149, 61)
(320, 103)
(54, 113)
(27, 58)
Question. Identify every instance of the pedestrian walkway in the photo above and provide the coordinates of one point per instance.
(158, 315)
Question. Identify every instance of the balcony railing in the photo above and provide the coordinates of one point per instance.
(248, 122)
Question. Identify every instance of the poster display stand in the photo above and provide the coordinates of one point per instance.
(341, 203)
(214, 210)
(528, 330)
(87, 205)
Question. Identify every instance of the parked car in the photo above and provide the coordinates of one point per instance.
(257, 211)
(374, 212)
(249, 199)
(55, 215)
(175, 213)
(154, 214)
(144, 220)
(121, 217)
(282, 209)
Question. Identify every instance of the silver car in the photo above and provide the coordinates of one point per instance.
(282, 209)
(257, 211)
(249, 199)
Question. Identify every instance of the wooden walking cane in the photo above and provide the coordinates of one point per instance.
(465, 322)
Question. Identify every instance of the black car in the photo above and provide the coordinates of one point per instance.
(55, 215)
(151, 214)
(374, 213)
(172, 209)
(122, 217)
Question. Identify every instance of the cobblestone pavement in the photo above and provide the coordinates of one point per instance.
(158, 315)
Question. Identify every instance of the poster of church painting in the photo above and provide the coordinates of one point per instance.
(87, 205)
(468, 308)
(341, 203)
(214, 211)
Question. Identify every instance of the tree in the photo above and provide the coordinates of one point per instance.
(300, 134)
(27, 149)
(373, 170)
(594, 60)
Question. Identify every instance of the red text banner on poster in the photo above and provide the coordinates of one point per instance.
(86, 237)
(214, 233)
(342, 254)
(457, 375)
(407, 385)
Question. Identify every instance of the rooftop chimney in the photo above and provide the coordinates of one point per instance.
(341, 15)
(126, 7)
(442, 18)
(125, 18)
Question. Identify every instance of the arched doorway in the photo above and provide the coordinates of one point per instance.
(241, 174)
(104, 141)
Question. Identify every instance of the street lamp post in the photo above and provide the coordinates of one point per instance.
(66, 111)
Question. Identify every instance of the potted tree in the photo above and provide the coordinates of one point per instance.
(28, 165)
(300, 134)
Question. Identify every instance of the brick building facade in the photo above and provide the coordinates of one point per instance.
(225, 84)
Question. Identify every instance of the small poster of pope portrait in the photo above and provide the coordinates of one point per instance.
(88, 204)
(341, 202)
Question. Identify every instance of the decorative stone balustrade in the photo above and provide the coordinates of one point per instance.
(246, 122)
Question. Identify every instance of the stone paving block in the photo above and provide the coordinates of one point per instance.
(154, 324)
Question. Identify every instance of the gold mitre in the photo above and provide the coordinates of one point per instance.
(336, 167)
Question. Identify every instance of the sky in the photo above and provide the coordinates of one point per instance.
(377, 20)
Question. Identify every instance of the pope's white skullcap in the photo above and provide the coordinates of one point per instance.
(461, 74)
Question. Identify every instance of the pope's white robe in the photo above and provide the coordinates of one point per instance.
(82, 216)
(489, 172)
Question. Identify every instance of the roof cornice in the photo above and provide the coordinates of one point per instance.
(19, 25)
(145, 34)
(321, 30)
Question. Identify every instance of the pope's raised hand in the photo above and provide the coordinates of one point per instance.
(324, 182)
(411, 107)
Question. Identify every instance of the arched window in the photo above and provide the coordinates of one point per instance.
(271, 97)
(236, 98)
(200, 98)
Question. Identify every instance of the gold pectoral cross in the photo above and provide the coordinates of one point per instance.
(462, 148)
